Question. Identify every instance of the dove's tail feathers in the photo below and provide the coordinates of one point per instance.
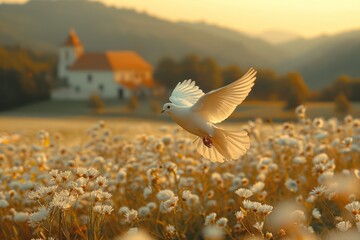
(227, 145)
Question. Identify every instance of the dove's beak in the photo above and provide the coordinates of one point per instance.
(162, 111)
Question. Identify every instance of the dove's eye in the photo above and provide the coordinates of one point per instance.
(168, 107)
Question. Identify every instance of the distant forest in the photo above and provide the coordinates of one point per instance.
(26, 76)
(269, 86)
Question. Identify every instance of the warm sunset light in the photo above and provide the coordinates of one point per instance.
(307, 18)
(179, 119)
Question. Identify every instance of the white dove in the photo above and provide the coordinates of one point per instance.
(198, 113)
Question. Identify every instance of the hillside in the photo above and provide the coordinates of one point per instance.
(321, 60)
(44, 25)
(278, 37)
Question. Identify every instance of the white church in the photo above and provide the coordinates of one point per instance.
(112, 74)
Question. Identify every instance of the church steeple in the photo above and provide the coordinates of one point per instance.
(69, 53)
(72, 39)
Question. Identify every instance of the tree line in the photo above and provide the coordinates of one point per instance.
(25, 76)
(343, 85)
(210, 75)
(269, 85)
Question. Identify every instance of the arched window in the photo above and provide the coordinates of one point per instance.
(77, 89)
(101, 87)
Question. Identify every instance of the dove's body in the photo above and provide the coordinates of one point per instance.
(198, 113)
(191, 122)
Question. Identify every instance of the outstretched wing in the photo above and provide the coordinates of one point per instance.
(217, 105)
(186, 93)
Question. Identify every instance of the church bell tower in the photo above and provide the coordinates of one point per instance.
(69, 52)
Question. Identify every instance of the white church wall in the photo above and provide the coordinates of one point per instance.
(99, 82)
(67, 56)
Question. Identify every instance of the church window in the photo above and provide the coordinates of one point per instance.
(89, 78)
(77, 89)
(101, 87)
(120, 93)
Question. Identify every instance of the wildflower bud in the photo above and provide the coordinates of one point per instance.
(282, 233)
(348, 119)
(210, 219)
(348, 141)
(186, 195)
(245, 182)
(237, 228)
(239, 216)
(357, 219)
(222, 222)
(12, 193)
(316, 213)
(300, 111)
(210, 194)
(170, 231)
(299, 199)
(131, 216)
(259, 226)
(268, 235)
(92, 173)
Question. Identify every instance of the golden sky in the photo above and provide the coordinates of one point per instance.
(308, 18)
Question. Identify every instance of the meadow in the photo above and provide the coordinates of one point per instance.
(119, 109)
(136, 179)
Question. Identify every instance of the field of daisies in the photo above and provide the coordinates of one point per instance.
(299, 180)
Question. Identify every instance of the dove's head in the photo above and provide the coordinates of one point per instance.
(167, 108)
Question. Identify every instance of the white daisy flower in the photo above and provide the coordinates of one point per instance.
(316, 213)
(244, 193)
(210, 219)
(343, 226)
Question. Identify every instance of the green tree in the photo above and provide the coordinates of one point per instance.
(24, 76)
(190, 67)
(266, 86)
(231, 73)
(209, 75)
(293, 89)
(342, 85)
(168, 72)
(206, 72)
(10, 89)
(346, 85)
(342, 103)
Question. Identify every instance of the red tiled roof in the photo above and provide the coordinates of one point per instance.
(92, 61)
(72, 39)
(122, 60)
(127, 60)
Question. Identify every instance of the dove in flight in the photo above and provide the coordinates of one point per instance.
(198, 113)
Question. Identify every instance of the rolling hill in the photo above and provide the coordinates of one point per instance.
(277, 36)
(44, 25)
(321, 60)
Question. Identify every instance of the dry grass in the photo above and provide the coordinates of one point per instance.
(80, 180)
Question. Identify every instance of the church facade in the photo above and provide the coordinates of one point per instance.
(111, 74)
